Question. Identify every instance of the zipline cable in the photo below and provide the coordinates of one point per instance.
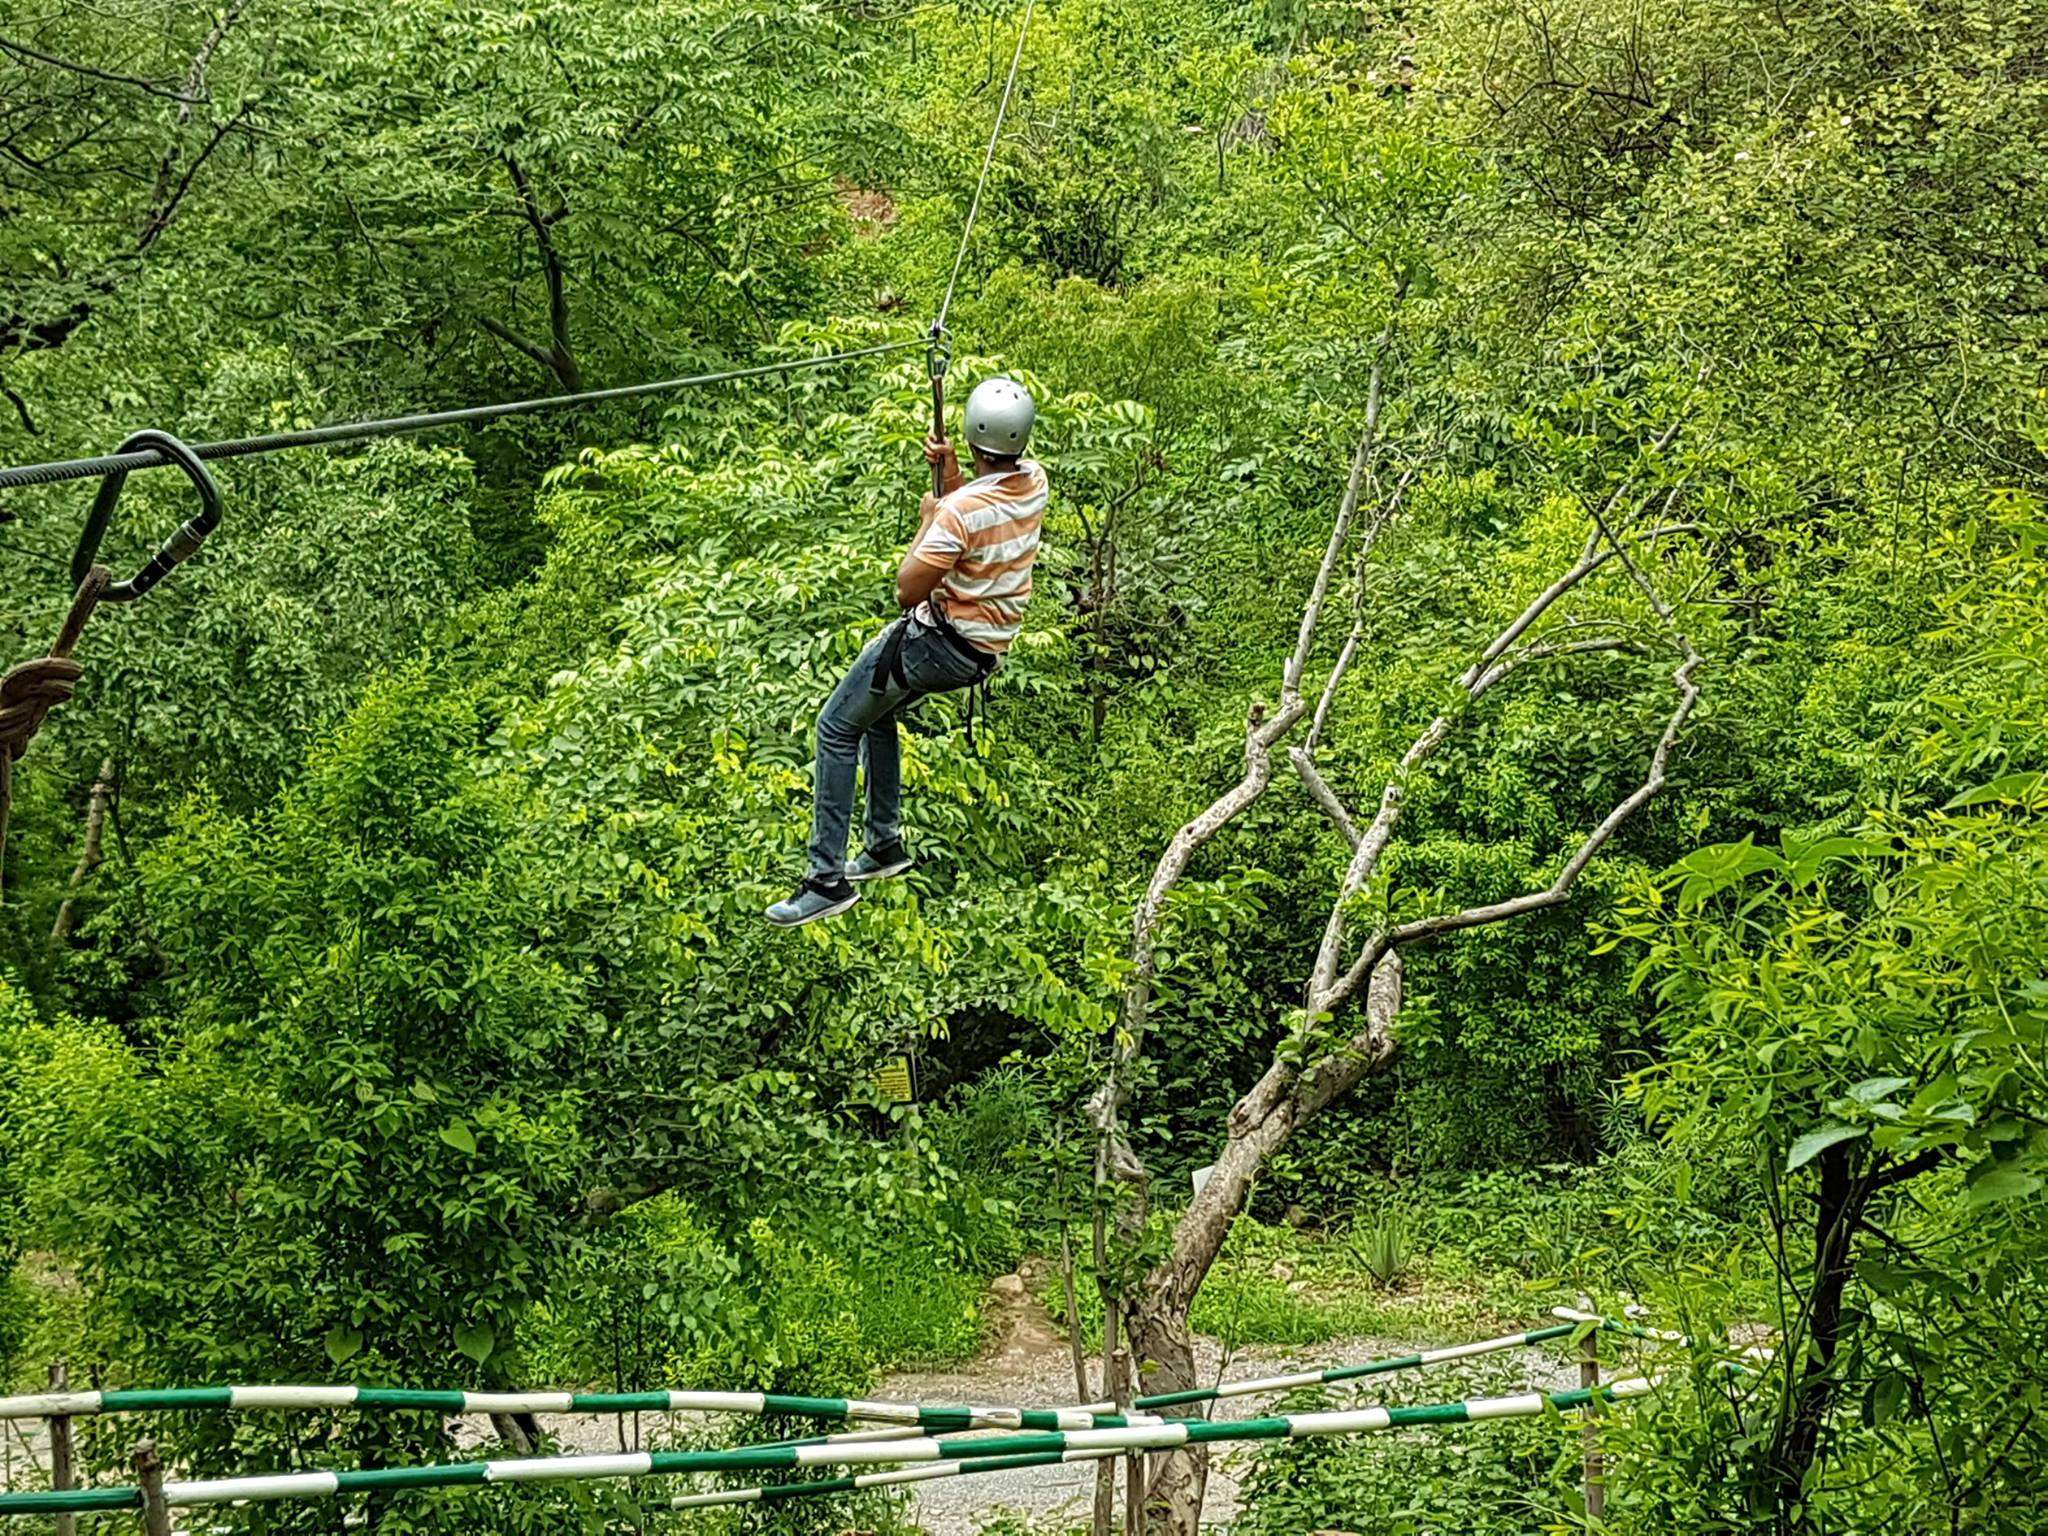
(425, 421)
(940, 351)
(987, 160)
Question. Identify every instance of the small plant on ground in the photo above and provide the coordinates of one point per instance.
(1383, 1247)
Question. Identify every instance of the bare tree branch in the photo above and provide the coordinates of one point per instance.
(28, 422)
(512, 338)
(1262, 734)
(88, 855)
(72, 66)
(1319, 790)
(1560, 888)
(166, 208)
(561, 356)
(195, 91)
(1388, 507)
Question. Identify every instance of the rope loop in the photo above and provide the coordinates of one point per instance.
(29, 690)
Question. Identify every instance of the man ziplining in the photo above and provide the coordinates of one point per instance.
(962, 586)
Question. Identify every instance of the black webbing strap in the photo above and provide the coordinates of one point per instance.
(889, 665)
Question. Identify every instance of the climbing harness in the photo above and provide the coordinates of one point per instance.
(30, 690)
(889, 668)
(889, 665)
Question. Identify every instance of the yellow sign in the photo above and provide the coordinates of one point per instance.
(894, 1083)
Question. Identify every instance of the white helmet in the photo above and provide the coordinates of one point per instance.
(999, 417)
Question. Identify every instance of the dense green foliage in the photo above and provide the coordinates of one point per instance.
(417, 1022)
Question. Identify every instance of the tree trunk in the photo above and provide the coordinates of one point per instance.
(1840, 1206)
(1162, 1339)
(88, 856)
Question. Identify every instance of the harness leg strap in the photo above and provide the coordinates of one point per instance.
(889, 665)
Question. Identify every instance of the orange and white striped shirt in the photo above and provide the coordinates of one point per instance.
(984, 537)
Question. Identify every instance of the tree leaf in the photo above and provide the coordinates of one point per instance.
(476, 1340)
(1805, 860)
(459, 1136)
(342, 1342)
(2008, 787)
(1883, 1398)
(1718, 866)
(1813, 1143)
(2001, 1184)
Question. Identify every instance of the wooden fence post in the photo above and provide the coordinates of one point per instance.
(1589, 1434)
(149, 1472)
(1134, 1463)
(63, 1462)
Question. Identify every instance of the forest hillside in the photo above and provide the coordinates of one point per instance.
(1523, 780)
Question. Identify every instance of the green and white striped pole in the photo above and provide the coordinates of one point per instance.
(1760, 1354)
(1148, 1437)
(1611, 1325)
(924, 1473)
(917, 1415)
(289, 1398)
(1099, 1416)
(1354, 1372)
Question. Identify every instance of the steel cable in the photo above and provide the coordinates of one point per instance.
(396, 426)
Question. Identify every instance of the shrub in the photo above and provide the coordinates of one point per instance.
(1491, 1479)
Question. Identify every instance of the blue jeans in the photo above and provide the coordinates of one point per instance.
(858, 724)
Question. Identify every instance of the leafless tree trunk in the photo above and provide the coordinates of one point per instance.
(88, 856)
(1319, 1060)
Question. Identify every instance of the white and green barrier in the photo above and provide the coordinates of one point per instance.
(923, 1473)
(174, 1399)
(1147, 1437)
(1577, 1318)
(1085, 1416)
(1369, 1368)
(1323, 1376)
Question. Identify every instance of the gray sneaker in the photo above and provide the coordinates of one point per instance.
(879, 863)
(819, 896)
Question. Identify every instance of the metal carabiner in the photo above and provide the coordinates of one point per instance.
(179, 547)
